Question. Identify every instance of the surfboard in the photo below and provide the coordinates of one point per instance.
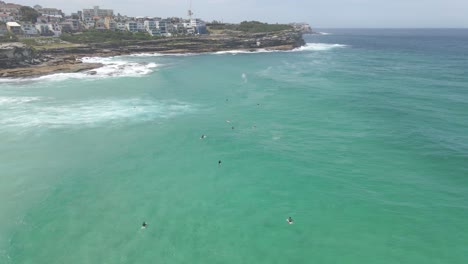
(289, 222)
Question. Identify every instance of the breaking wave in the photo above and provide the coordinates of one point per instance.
(111, 68)
(4, 100)
(319, 47)
(307, 47)
(46, 112)
(120, 67)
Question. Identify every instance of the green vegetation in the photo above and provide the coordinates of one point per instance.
(249, 27)
(95, 36)
(8, 37)
(255, 27)
(28, 14)
(46, 42)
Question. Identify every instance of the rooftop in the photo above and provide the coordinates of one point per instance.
(13, 24)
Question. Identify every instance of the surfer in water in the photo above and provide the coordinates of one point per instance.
(202, 137)
(290, 220)
(219, 162)
(144, 225)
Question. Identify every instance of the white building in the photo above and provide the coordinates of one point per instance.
(152, 28)
(6, 18)
(29, 29)
(110, 24)
(150, 24)
(131, 26)
(199, 25)
(56, 29)
(88, 14)
(14, 28)
(75, 23)
(100, 24)
(140, 27)
(89, 24)
(121, 26)
(50, 12)
(42, 29)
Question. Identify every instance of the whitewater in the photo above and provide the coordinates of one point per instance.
(359, 136)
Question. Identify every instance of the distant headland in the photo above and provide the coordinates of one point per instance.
(55, 42)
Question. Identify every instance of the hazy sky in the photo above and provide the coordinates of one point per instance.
(323, 13)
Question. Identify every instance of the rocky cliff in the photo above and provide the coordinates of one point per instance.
(195, 44)
(18, 60)
(16, 55)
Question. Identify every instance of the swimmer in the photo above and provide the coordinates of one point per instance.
(232, 127)
(290, 220)
(202, 137)
(144, 225)
(219, 162)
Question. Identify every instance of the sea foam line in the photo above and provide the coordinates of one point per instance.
(119, 67)
(5, 100)
(52, 114)
(111, 68)
(307, 47)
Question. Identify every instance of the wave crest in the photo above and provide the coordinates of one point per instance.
(319, 47)
(49, 114)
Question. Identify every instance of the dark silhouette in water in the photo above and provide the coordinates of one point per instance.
(290, 220)
(144, 225)
(219, 162)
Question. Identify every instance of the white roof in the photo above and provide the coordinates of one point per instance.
(13, 24)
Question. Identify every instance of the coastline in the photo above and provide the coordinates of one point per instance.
(68, 59)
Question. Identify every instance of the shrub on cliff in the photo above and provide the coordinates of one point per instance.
(8, 37)
(28, 14)
(249, 27)
(94, 36)
(257, 27)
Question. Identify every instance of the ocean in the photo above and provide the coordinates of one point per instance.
(361, 136)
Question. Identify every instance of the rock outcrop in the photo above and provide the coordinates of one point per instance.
(16, 55)
(19, 60)
(283, 40)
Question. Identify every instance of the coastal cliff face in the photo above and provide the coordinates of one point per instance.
(285, 40)
(16, 55)
(19, 60)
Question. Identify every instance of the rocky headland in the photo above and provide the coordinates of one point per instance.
(20, 60)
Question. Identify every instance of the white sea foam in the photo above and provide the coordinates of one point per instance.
(119, 68)
(324, 33)
(112, 67)
(161, 55)
(307, 47)
(5, 100)
(234, 52)
(51, 114)
(244, 77)
(319, 47)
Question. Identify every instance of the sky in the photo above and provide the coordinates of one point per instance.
(318, 13)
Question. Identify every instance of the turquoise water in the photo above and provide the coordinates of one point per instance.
(361, 137)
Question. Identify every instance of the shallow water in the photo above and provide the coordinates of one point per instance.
(361, 137)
